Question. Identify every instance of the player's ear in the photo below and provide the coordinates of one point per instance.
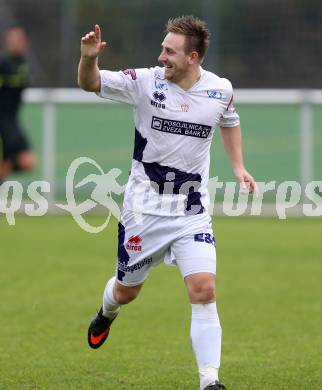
(193, 58)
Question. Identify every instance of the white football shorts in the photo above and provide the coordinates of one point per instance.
(145, 241)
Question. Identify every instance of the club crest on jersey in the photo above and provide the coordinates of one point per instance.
(213, 94)
(184, 107)
(134, 244)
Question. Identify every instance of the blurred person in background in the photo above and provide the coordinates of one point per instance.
(176, 109)
(15, 153)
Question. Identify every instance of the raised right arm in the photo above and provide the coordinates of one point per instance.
(88, 71)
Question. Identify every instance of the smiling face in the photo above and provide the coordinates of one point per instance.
(176, 61)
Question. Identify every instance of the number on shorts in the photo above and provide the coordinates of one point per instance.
(205, 237)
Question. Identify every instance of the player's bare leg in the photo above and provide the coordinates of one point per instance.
(115, 295)
(205, 328)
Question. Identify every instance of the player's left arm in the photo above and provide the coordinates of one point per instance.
(232, 140)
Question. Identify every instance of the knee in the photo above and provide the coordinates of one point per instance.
(125, 295)
(203, 293)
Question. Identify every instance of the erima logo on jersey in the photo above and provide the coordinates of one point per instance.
(158, 105)
(213, 94)
(180, 127)
(160, 98)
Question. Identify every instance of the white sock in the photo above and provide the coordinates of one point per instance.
(111, 307)
(206, 341)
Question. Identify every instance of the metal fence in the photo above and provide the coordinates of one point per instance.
(305, 100)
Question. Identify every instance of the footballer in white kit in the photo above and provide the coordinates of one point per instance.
(170, 169)
(165, 215)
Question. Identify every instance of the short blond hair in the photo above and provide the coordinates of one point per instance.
(197, 35)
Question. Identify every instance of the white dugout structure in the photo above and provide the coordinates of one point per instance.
(305, 99)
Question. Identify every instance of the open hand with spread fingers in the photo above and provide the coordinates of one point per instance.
(91, 43)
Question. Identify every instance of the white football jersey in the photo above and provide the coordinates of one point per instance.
(173, 134)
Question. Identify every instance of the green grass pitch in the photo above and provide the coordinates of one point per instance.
(269, 297)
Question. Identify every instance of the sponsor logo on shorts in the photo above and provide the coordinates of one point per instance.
(180, 127)
(134, 244)
(135, 267)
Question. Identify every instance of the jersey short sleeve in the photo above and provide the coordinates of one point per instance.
(123, 86)
(230, 117)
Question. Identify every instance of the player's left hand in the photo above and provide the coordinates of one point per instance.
(247, 182)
